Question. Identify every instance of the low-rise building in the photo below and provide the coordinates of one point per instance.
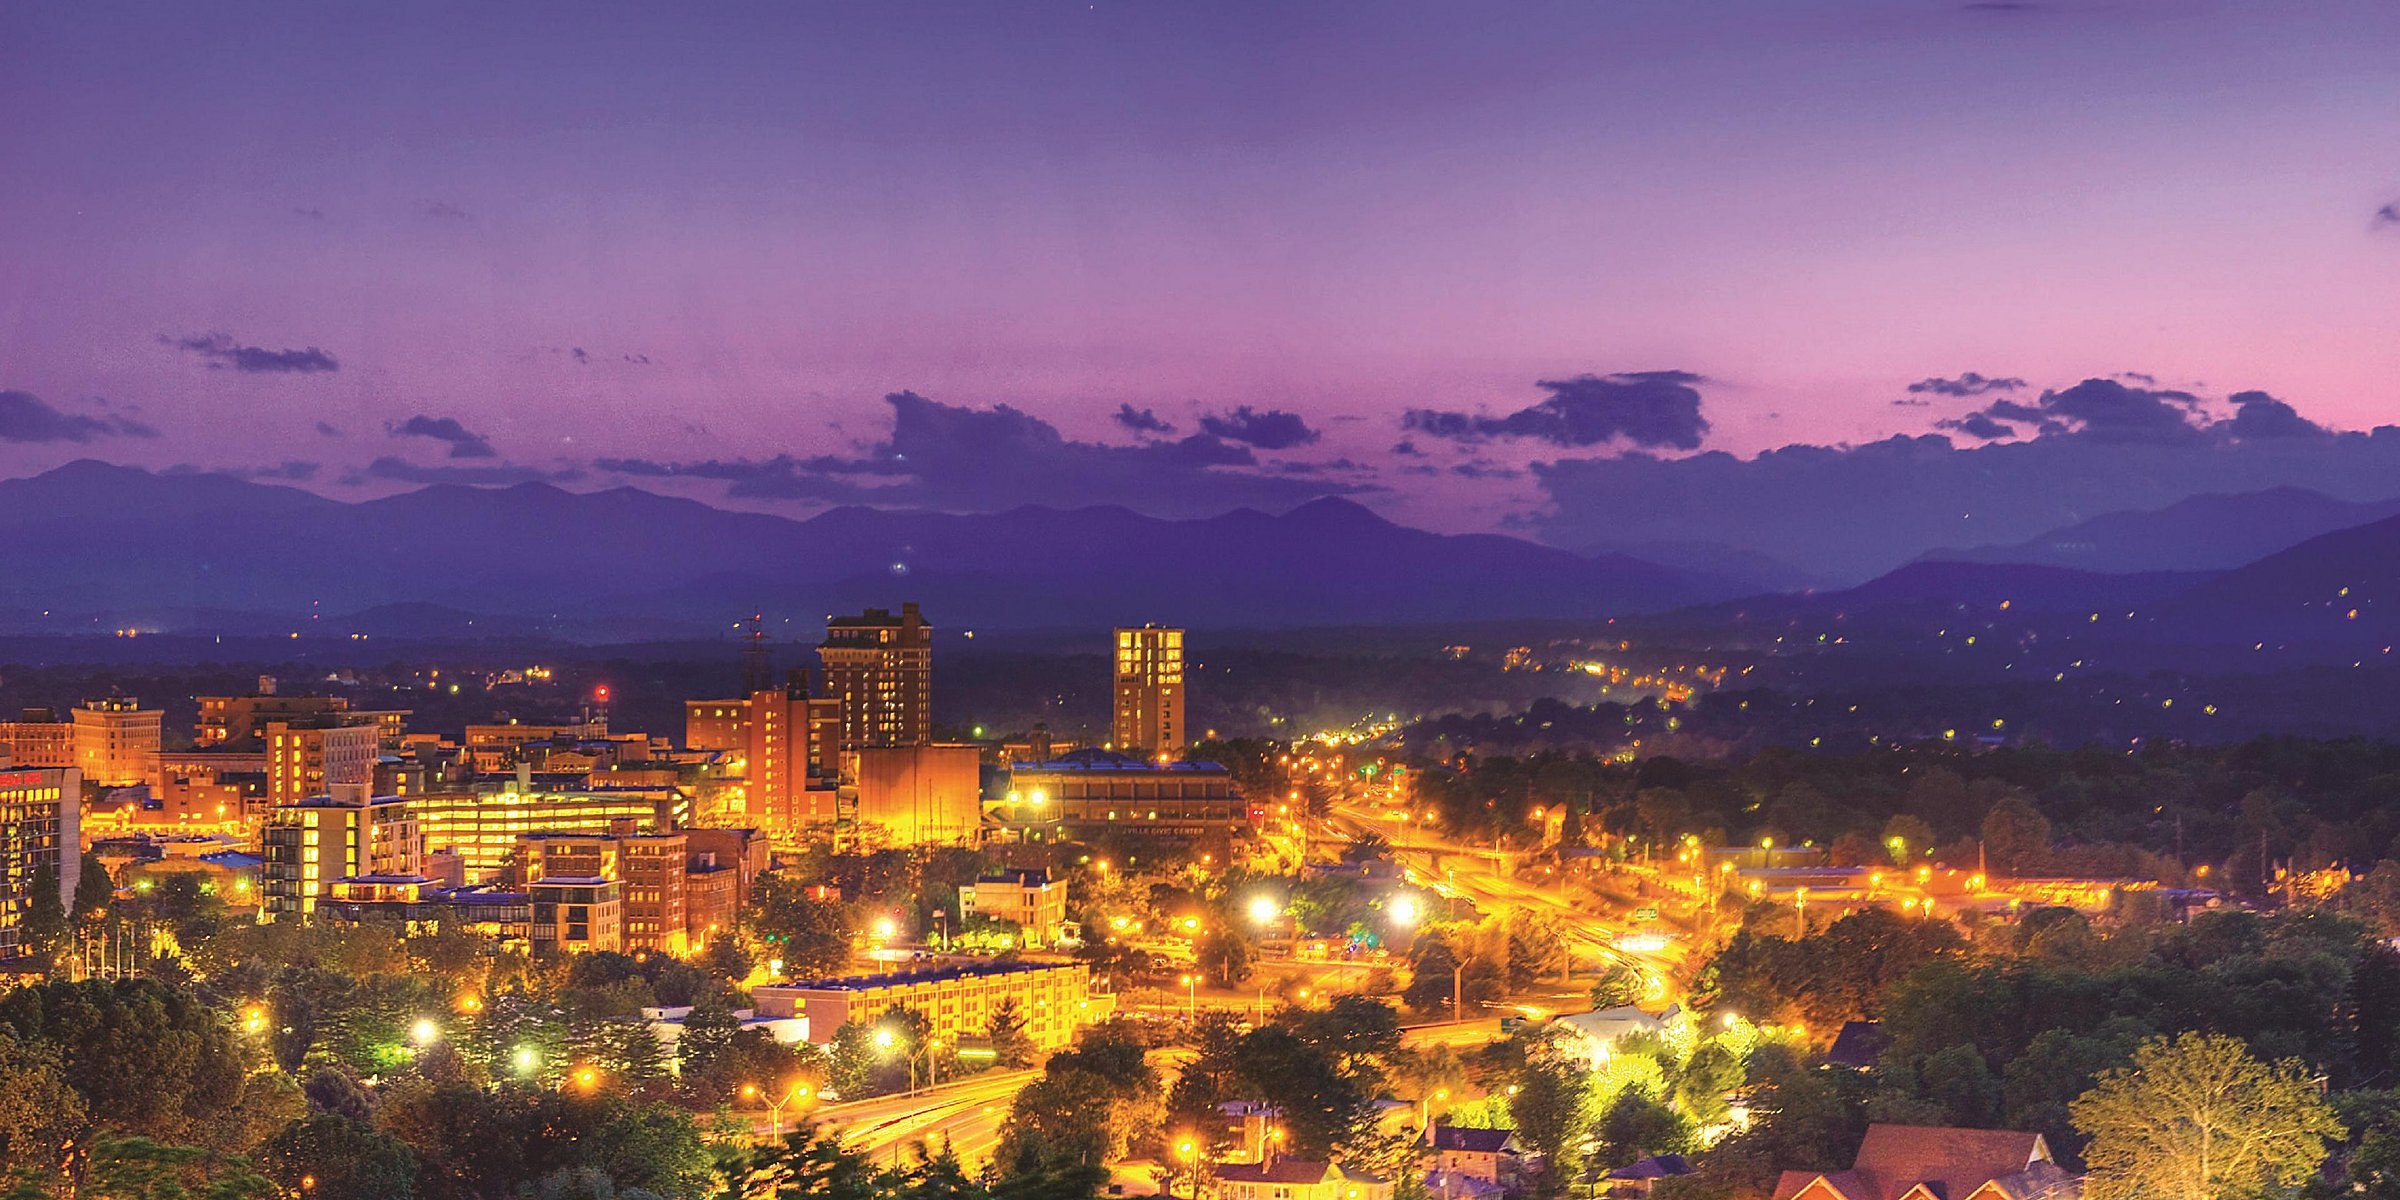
(577, 915)
(315, 842)
(1298, 1179)
(651, 866)
(1026, 896)
(1897, 1161)
(1464, 1152)
(957, 1000)
(1089, 793)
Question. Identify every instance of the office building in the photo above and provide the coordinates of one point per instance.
(577, 915)
(1024, 896)
(880, 668)
(243, 720)
(1092, 793)
(39, 738)
(651, 868)
(1149, 716)
(778, 739)
(957, 1000)
(313, 843)
(117, 741)
(40, 809)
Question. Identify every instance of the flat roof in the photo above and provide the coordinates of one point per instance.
(943, 974)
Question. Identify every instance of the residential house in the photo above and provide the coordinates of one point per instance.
(1922, 1162)
(1297, 1179)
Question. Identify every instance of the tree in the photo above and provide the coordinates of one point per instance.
(344, 1159)
(1011, 1046)
(810, 935)
(2198, 1118)
(1619, 986)
(1552, 1108)
(2016, 836)
(45, 914)
(93, 887)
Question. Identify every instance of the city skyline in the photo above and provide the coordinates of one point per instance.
(1189, 261)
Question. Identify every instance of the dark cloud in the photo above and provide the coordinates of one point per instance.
(963, 459)
(2386, 217)
(1483, 469)
(1968, 384)
(1407, 448)
(223, 353)
(400, 470)
(443, 210)
(639, 360)
(325, 429)
(1141, 420)
(2257, 415)
(2103, 409)
(1268, 429)
(463, 442)
(1912, 402)
(313, 214)
(25, 417)
(1646, 409)
(1979, 426)
(578, 355)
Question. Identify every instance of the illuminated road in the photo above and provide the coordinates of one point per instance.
(1475, 873)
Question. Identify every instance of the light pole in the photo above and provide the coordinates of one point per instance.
(799, 1091)
(1191, 998)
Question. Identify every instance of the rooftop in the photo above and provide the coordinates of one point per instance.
(942, 974)
(1095, 759)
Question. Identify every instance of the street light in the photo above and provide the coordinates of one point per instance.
(1264, 910)
(1402, 909)
(424, 1032)
(798, 1091)
(1191, 989)
(527, 1059)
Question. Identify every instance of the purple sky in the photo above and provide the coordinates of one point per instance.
(755, 223)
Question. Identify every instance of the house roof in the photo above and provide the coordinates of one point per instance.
(1470, 1139)
(1282, 1170)
(1951, 1163)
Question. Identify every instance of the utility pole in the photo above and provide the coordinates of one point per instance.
(1458, 991)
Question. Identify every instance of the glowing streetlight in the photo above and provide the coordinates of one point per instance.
(1402, 910)
(886, 928)
(424, 1032)
(527, 1059)
(884, 1039)
(1264, 910)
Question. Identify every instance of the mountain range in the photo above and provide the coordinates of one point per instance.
(2212, 532)
(93, 543)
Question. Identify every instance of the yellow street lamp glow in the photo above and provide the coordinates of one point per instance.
(1038, 797)
(883, 1039)
(1402, 910)
(424, 1032)
(526, 1060)
(885, 928)
(1263, 909)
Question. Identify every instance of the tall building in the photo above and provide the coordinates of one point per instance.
(308, 757)
(880, 667)
(39, 812)
(1150, 691)
(117, 741)
(781, 738)
(316, 842)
